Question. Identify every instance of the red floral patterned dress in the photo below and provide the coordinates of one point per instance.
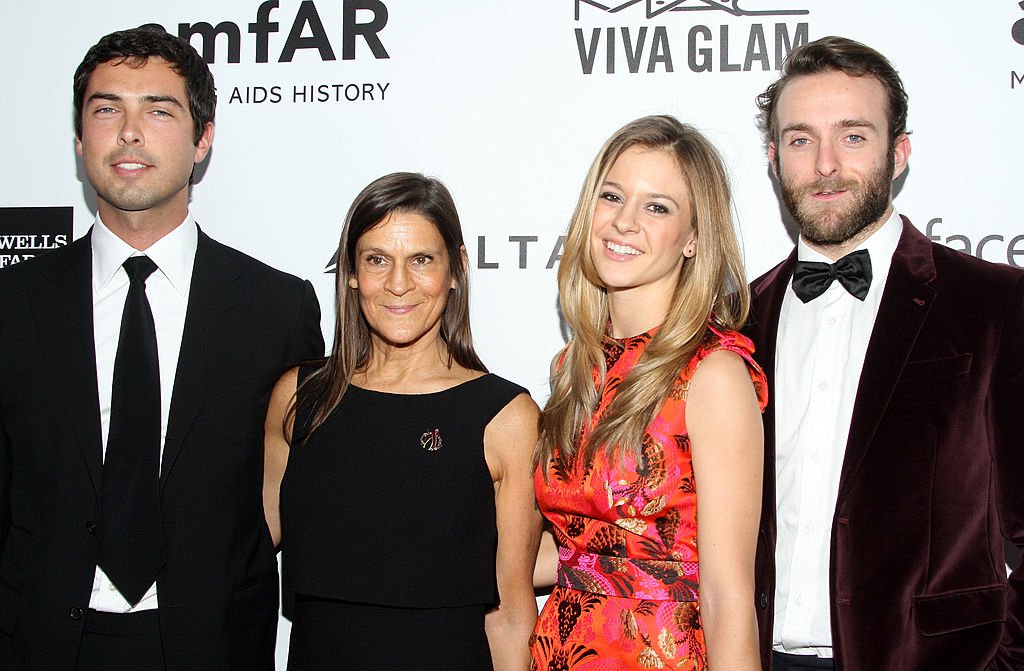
(627, 586)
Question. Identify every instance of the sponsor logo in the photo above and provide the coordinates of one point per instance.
(309, 93)
(1017, 33)
(520, 252)
(993, 247)
(283, 37)
(26, 232)
(737, 45)
(307, 32)
(656, 7)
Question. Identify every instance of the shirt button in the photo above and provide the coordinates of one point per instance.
(823, 386)
(808, 529)
(832, 321)
(75, 612)
(112, 587)
(91, 528)
(799, 599)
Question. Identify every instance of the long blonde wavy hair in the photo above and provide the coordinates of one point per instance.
(711, 285)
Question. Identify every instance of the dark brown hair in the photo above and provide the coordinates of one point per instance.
(134, 47)
(837, 54)
(397, 192)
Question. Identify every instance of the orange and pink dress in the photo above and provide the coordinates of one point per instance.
(626, 595)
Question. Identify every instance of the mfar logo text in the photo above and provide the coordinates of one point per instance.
(363, 19)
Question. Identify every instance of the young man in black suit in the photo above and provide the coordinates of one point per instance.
(136, 366)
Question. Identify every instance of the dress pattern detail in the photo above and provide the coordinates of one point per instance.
(626, 529)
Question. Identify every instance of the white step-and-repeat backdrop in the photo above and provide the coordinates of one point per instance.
(507, 101)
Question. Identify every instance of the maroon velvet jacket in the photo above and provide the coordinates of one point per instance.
(933, 476)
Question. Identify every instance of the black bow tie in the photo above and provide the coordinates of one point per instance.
(853, 271)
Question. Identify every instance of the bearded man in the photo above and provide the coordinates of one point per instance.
(894, 456)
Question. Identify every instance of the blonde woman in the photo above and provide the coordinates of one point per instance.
(651, 443)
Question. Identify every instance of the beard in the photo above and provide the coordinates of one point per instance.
(827, 226)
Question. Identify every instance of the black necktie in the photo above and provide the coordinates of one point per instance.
(853, 271)
(131, 541)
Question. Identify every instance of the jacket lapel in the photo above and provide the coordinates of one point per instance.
(767, 293)
(905, 304)
(62, 309)
(214, 292)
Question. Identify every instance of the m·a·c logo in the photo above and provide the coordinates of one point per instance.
(732, 7)
(745, 38)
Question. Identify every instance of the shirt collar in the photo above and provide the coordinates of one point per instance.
(174, 254)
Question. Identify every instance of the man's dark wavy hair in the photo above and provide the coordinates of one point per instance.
(837, 54)
(137, 45)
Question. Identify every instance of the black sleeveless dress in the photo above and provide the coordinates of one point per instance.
(388, 528)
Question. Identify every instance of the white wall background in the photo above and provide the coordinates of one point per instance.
(492, 98)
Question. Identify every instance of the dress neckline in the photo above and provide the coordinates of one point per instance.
(646, 335)
(619, 345)
(423, 394)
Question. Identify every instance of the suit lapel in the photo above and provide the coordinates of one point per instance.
(766, 295)
(905, 304)
(214, 293)
(62, 309)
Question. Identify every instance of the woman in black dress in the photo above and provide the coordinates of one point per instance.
(398, 476)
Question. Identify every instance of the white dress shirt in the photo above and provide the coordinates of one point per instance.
(167, 290)
(819, 356)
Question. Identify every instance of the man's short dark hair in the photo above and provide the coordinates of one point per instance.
(136, 46)
(837, 54)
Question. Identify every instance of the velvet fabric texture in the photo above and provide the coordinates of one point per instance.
(932, 477)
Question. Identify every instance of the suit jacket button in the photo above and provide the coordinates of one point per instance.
(762, 600)
(91, 528)
(76, 612)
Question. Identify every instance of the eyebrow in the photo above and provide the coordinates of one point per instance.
(663, 196)
(856, 123)
(113, 97)
(844, 123)
(383, 252)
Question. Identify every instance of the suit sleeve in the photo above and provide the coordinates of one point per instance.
(1007, 417)
(308, 340)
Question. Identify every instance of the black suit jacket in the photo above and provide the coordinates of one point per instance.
(218, 593)
(933, 474)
